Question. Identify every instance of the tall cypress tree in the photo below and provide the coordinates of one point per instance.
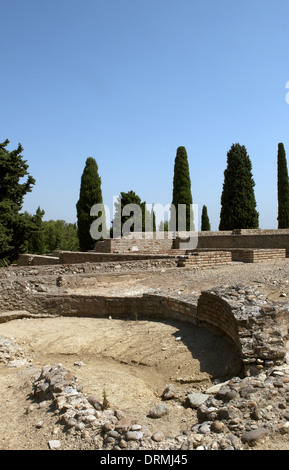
(205, 222)
(90, 194)
(15, 183)
(182, 190)
(283, 188)
(238, 204)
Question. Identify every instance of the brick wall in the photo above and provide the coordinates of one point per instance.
(247, 255)
(259, 255)
(217, 312)
(265, 239)
(206, 259)
(199, 258)
(137, 242)
(69, 257)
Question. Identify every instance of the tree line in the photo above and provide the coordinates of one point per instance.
(26, 233)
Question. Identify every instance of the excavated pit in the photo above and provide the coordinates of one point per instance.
(132, 357)
(132, 361)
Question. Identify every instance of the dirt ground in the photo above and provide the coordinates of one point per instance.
(132, 361)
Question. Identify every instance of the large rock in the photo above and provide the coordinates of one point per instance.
(196, 399)
(158, 411)
(251, 437)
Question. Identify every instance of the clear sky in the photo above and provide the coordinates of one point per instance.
(129, 81)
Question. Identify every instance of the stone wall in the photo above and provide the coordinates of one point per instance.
(72, 257)
(257, 326)
(214, 310)
(245, 255)
(21, 296)
(258, 255)
(152, 242)
(139, 247)
(37, 260)
(206, 259)
(198, 258)
(265, 239)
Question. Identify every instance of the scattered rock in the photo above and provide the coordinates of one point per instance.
(169, 392)
(54, 444)
(158, 411)
(217, 426)
(79, 363)
(40, 424)
(94, 402)
(196, 399)
(158, 436)
(134, 435)
(251, 437)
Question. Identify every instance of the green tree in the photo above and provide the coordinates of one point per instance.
(36, 243)
(205, 221)
(141, 220)
(90, 194)
(60, 235)
(15, 183)
(238, 204)
(182, 190)
(283, 188)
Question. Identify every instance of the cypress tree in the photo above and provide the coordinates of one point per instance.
(238, 204)
(15, 183)
(182, 190)
(90, 194)
(283, 188)
(205, 222)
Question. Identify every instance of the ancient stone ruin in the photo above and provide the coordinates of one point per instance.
(256, 326)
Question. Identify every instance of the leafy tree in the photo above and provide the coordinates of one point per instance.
(182, 190)
(60, 235)
(238, 204)
(36, 243)
(283, 188)
(51, 235)
(141, 221)
(90, 194)
(15, 183)
(205, 222)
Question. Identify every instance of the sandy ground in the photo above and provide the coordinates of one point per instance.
(132, 361)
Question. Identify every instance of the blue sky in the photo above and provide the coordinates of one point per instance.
(128, 82)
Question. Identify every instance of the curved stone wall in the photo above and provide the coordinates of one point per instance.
(256, 326)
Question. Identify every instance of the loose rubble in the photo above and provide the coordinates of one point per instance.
(234, 415)
(11, 354)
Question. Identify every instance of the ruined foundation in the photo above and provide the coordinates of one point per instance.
(66, 284)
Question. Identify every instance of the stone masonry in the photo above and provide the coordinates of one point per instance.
(257, 326)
